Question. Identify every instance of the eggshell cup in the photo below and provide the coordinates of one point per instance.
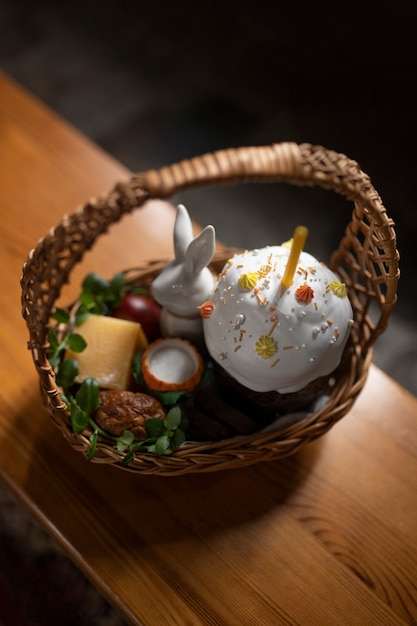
(172, 364)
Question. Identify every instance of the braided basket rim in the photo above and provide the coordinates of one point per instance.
(366, 259)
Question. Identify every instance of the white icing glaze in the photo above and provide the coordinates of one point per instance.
(299, 341)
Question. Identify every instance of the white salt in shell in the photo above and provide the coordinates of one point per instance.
(171, 364)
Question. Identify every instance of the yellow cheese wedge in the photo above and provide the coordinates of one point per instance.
(111, 344)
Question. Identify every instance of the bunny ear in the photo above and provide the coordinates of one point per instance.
(183, 233)
(200, 251)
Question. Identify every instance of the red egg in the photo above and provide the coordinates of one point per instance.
(137, 308)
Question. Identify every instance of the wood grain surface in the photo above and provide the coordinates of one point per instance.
(327, 536)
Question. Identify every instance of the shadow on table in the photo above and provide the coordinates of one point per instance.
(146, 508)
(146, 519)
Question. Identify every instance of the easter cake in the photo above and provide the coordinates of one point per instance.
(280, 342)
(273, 340)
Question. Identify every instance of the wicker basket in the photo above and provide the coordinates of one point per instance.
(366, 259)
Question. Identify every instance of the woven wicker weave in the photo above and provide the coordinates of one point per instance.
(366, 259)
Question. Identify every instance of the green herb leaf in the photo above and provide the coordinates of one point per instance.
(95, 284)
(168, 398)
(54, 343)
(65, 399)
(95, 293)
(67, 371)
(118, 282)
(55, 348)
(93, 446)
(81, 315)
(87, 299)
(129, 456)
(154, 427)
(79, 418)
(100, 295)
(76, 342)
(61, 315)
(178, 438)
(137, 367)
(87, 396)
(163, 445)
(173, 418)
(124, 441)
(117, 288)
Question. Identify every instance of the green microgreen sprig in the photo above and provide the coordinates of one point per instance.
(99, 295)
(163, 435)
(74, 341)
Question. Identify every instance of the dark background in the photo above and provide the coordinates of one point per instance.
(156, 82)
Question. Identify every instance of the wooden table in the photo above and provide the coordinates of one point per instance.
(327, 536)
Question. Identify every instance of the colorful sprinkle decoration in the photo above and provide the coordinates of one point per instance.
(247, 280)
(339, 289)
(206, 309)
(304, 294)
(266, 347)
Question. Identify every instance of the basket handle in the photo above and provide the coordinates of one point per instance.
(294, 163)
(261, 163)
(368, 249)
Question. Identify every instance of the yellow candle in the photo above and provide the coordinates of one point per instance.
(299, 238)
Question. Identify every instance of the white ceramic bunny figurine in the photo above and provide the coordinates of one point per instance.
(186, 281)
